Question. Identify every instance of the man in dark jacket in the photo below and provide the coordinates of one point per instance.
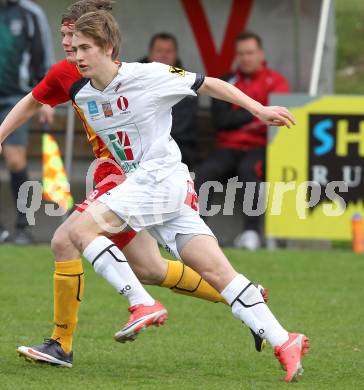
(26, 53)
(163, 47)
(241, 139)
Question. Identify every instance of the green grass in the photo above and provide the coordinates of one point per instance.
(350, 33)
(350, 25)
(202, 346)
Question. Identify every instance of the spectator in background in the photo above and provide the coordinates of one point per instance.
(26, 53)
(163, 47)
(242, 139)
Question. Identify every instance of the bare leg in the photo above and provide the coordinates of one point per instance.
(97, 220)
(145, 259)
(217, 270)
(61, 244)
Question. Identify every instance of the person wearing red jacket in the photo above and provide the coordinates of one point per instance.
(241, 138)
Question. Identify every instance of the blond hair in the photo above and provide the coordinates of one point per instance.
(102, 27)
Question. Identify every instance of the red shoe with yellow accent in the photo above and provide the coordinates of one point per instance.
(141, 317)
(290, 355)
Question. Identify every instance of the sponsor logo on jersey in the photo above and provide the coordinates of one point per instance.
(106, 107)
(122, 103)
(178, 71)
(92, 107)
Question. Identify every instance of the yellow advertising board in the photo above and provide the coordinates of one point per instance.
(315, 171)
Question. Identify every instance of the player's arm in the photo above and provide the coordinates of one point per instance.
(22, 111)
(46, 114)
(219, 89)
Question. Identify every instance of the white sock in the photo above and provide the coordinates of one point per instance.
(248, 305)
(109, 262)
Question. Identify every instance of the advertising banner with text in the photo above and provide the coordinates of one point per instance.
(315, 170)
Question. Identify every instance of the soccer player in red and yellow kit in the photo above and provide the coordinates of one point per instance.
(140, 250)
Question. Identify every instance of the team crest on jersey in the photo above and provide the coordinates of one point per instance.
(92, 107)
(122, 103)
(178, 71)
(106, 107)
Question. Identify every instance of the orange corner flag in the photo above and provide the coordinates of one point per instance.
(56, 187)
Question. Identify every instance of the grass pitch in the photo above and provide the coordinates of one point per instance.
(202, 346)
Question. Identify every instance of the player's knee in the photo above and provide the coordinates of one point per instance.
(76, 236)
(80, 235)
(60, 241)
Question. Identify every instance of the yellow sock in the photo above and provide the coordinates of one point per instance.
(68, 292)
(182, 279)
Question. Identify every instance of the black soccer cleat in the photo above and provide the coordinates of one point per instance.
(50, 352)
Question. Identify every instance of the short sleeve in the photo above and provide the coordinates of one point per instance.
(50, 90)
(169, 84)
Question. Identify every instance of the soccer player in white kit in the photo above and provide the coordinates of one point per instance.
(129, 107)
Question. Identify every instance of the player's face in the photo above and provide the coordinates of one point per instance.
(249, 56)
(67, 34)
(163, 51)
(91, 59)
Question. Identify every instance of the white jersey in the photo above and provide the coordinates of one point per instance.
(132, 115)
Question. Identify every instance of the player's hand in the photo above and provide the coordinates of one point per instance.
(46, 114)
(276, 116)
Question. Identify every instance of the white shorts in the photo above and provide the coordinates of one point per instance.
(165, 208)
